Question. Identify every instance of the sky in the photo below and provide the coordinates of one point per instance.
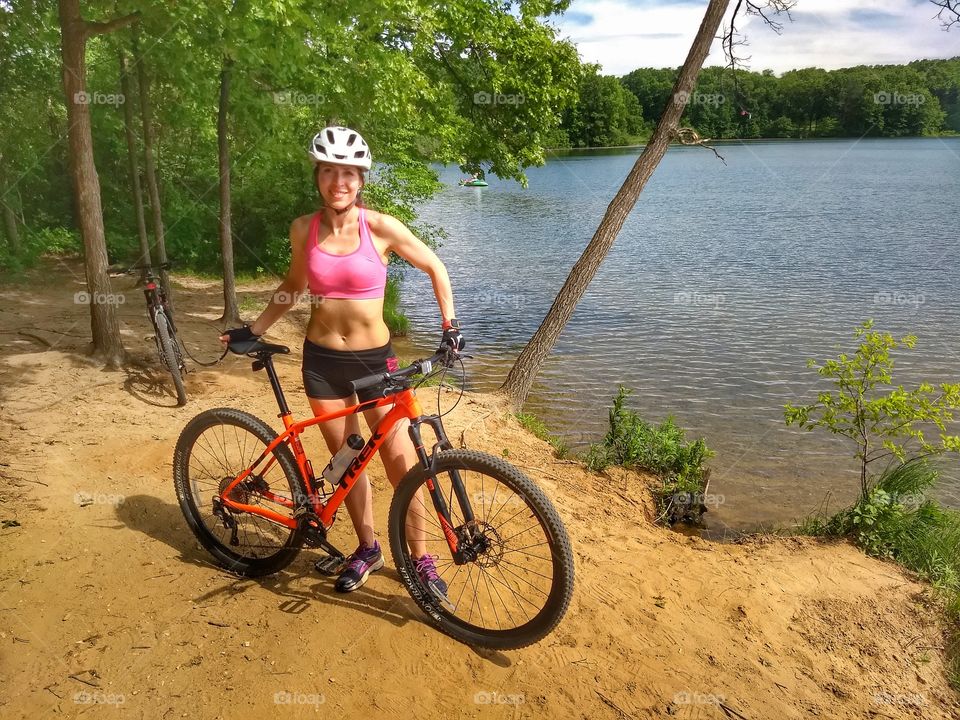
(622, 35)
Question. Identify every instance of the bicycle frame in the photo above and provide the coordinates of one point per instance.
(156, 300)
(405, 405)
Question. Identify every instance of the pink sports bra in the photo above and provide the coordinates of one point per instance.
(360, 275)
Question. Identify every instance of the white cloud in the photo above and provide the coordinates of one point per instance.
(622, 35)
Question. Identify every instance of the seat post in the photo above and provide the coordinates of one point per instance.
(267, 361)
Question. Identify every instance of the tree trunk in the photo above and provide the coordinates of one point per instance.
(231, 309)
(531, 359)
(86, 185)
(150, 171)
(10, 225)
(132, 164)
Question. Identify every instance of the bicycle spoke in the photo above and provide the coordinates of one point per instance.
(511, 589)
(545, 577)
(223, 451)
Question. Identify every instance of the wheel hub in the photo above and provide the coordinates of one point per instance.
(483, 546)
(240, 494)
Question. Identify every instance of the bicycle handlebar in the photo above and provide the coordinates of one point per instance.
(444, 356)
(159, 266)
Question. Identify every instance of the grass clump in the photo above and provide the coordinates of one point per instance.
(663, 450)
(539, 428)
(397, 322)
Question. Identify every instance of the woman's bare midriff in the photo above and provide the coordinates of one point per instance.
(341, 324)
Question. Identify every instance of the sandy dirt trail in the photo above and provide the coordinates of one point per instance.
(112, 609)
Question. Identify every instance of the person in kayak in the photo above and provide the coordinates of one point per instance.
(341, 253)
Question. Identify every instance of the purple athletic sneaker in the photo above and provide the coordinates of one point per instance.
(427, 572)
(365, 560)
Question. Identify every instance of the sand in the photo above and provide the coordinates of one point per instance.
(109, 607)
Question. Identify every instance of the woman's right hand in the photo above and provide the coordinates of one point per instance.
(453, 338)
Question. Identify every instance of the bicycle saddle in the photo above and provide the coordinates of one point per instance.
(257, 347)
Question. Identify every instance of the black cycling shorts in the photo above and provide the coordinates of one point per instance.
(327, 373)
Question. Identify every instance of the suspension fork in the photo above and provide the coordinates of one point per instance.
(439, 501)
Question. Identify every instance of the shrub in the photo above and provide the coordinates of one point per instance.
(661, 449)
(884, 421)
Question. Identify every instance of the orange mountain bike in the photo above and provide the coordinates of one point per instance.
(252, 499)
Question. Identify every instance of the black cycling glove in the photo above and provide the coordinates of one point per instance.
(241, 334)
(453, 338)
(241, 339)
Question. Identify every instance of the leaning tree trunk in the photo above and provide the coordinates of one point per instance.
(521, 376)
(150, 172)
(10, 225)
(133, 165)
(231, 309)
(86, 185)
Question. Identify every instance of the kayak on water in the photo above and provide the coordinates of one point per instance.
(473, 183)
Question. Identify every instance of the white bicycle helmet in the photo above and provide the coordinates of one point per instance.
(340, 146)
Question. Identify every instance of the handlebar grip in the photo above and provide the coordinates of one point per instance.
(369, 381)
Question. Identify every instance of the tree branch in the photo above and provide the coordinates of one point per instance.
(952, 10)
(689, 136)
(101, 28)
(768, 11)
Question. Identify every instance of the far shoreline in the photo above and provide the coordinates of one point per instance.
(732, 141)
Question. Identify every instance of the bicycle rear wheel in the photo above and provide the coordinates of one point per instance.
(170, 354)
(519, 586)
(215, 447)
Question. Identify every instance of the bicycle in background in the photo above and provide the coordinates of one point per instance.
(164, 329)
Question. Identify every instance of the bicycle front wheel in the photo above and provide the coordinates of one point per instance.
(170, 355)
(518, 587)
(215, 447)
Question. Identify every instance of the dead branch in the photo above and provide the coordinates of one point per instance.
(949, 13)
(689, 136)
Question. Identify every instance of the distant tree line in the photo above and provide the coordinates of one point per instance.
(920, 98)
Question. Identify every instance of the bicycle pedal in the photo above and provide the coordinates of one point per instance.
(447, 603)
(330, 564)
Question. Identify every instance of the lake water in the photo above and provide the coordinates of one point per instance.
(724, 280)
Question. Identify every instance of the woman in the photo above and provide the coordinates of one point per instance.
(341, 254)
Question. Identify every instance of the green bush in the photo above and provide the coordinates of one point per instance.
(883, 420)
(661, 449)
(898, 520)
